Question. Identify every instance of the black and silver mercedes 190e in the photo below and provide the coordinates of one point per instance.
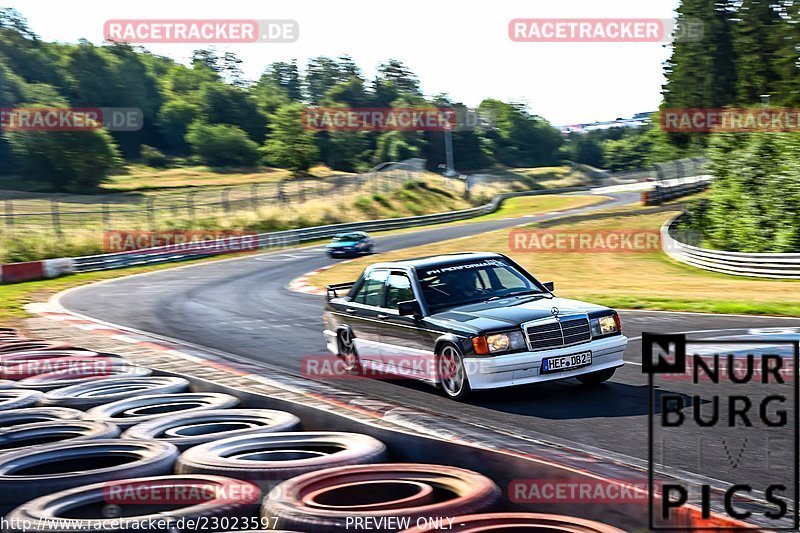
(469, 321)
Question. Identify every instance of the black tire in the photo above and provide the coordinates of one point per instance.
(31, 415)
(322, 501)
(18, 398)
(91, 394)
(345, 341)
(69, 365)
(131, 411)
(595, 378)
(57, 380)
(185, 430)
(29, 436)
(28, 474)
(15, 358)
(451, 372)
(269, 458)
(232, 502)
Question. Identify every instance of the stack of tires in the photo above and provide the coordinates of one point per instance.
(94, 443)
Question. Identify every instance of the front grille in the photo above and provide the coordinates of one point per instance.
(556, 334)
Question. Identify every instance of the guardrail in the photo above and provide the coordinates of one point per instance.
(279, 239)
(675, 189)
(759, 265)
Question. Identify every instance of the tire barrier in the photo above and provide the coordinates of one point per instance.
(28, 474)
(131, 411)
(73, 365)
(322, 501)
(27, 436)
(25, 356)
(32, 415)
(10, 333)
(169, 502)
(18, 345)
(185, 430)
(91, 394)
(498, 522)
(17, 398)
(273, 457)
(67, 377)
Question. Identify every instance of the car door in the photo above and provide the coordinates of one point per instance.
(406, 346)
(362, 314)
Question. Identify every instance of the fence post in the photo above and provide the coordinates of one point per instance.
(302, 184)
(254, 197)
(9, 213)
(56, 216)
(190, 206)
(151, 213)
(226, 205)
(106, 216)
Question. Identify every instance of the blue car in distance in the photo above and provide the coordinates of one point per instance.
(351, 244)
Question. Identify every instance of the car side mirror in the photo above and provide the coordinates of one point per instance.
(409, 307)
(550, 285)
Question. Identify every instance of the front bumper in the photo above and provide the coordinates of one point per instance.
(524, 367)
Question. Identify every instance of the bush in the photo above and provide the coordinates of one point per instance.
(220, 145)
(153, 157)
(70, 161)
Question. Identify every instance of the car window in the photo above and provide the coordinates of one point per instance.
(458, 284)
(398, 289)
(371, 291)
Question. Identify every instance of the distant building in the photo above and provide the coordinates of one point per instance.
(636, 121)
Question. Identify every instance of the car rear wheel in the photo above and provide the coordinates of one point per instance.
(347, 350)
(596, 378)
(452, 375)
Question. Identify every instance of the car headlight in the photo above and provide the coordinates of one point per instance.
(498, 342)
(604, 325)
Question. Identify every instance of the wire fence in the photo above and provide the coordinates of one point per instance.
(20, 211)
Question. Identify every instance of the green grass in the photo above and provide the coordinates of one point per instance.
(638, 280)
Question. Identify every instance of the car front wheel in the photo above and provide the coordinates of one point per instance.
(596, 378)
(347, 350)
(452, 375)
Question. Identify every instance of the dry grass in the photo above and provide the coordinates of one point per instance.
(643, 280)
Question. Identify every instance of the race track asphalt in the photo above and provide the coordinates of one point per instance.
(243, 307)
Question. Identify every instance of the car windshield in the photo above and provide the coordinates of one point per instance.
(350, 237)
(462, 283)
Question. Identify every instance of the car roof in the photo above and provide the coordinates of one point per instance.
(437, 260)
(347, 233)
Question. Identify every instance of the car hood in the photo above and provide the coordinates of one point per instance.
(510, 312)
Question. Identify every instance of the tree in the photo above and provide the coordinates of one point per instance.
(757, 41)
(70, 161)
(288, 144)
(174, 120)
(286, 76)
(220, 145)
(225, 104)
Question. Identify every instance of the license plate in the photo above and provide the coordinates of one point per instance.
(566, 362)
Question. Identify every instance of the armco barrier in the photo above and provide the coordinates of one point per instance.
(279, 239)
(33, 270)
(675, 189)
(759, 265)
(17, 272)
